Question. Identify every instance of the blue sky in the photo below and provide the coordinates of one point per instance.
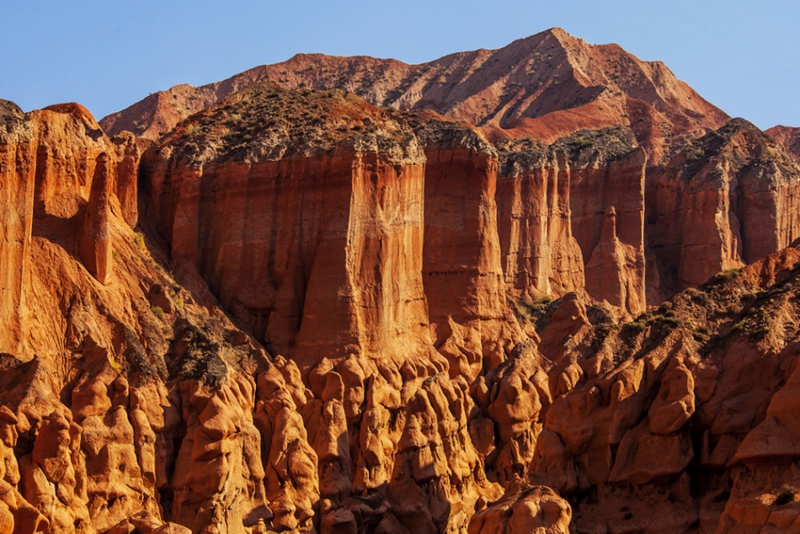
(740, 55)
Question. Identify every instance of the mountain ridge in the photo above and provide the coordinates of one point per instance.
(509, 92)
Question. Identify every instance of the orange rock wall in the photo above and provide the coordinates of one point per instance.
(335, 244)
(462, 267)
(607, 205)
(17, 168)
(409, 399)
(575, 225)
(540, 253)
(728, 201)
(48, 163)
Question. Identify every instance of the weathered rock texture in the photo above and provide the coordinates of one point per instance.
(524, 509)
(331, 320)
(545, 86)
(59, 169)
(788, 137)
(573, 217)
(583, 406)
(728, 199)
(330, 218)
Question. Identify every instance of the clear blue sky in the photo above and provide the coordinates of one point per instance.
(741, 55)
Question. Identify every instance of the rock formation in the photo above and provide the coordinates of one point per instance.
(545, 86)
(788, 137)
(727, 199)
(560, 208)
(318, 315)
(17, 171)
(49, 166)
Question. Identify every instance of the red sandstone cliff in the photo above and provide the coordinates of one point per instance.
(350, 341)
(573, 217)
(728, 199)
(582, 410)
(544, 86)
(59, 169)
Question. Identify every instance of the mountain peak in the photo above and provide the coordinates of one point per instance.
(543, 86)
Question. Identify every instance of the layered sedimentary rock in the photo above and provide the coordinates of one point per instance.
(461, 264)
(599, 244)
(728, 199)
(584, 411)
(343, 294)
(17, 155)
(323, 187)
(64, 444)
(544, 86)
(542, 256)
(572, 217)
(50, 174)
(331, 222)
(328, 322)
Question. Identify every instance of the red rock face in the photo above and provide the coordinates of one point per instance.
(95, 243)
(542, 256)
(344, 277)
(618, 264)
(391, 264)
(725, 202)
(788, 137)
(69, 462)
(572, 218)
(463, 276)
(17, 174)
(607, 202)
(50, 173)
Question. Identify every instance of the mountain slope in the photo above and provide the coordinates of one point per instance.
(787, 136)
(544, 86)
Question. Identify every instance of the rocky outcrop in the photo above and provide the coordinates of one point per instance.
(541, 255)
(87, 445)
(341, 166)
(545, 86)
(332, 319)
(672, 393)
(59, 175)
(95, 243)
(592, 408)
(461, 266)
(788, 137)
(524, 509)
(336, 233)
(573, 217)
(16, 210)
(726, 200)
